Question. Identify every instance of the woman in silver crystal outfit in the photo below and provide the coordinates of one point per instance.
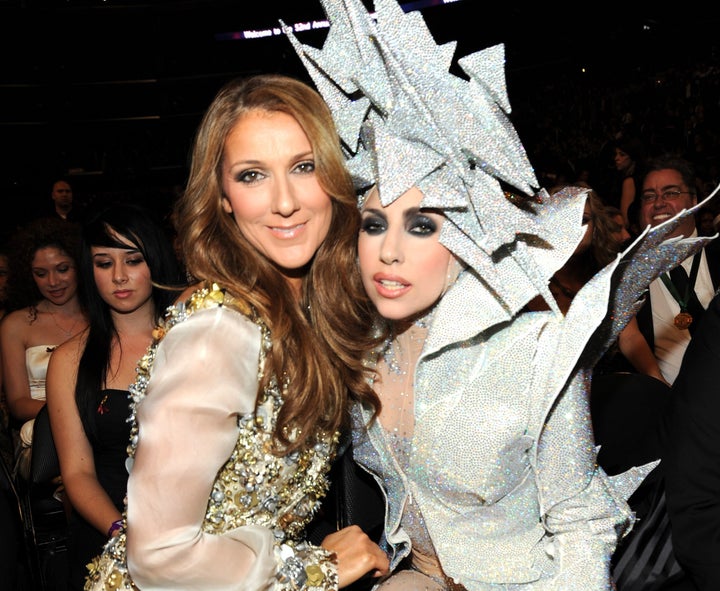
(483, 444)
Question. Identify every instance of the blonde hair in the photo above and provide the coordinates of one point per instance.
(319, 342)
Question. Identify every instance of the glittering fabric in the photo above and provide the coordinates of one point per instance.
(501, 463)
(254, 488)
(407, 121)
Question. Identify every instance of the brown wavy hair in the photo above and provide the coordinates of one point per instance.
(319, 341)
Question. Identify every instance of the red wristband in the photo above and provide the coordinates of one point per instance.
(116, 525)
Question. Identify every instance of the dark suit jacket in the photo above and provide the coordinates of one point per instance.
(644, 315)
(691, 455)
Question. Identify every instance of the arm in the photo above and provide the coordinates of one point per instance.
(75, 452)
(15, 377)
(627, 196)
(203, 377)
(636, 350)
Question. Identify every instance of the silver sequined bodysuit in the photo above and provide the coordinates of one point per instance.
(499, 466)
(412, 520)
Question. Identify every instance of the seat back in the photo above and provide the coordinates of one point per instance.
(46, 517)
(44, 463)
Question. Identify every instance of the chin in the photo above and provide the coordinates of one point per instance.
(394, 311)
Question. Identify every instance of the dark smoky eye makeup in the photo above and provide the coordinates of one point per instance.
(373, 223)
(422, 224)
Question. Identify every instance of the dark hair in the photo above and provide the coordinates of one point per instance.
(673, 162)
(632, 146)
(59, 179)
(140, 227)
(45, 232)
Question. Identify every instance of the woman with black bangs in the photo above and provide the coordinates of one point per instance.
(127, 271)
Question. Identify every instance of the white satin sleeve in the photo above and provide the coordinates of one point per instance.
(205, 374)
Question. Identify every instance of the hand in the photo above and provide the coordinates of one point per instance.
(356, 555)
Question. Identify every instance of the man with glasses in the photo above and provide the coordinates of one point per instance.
(675, 302)
(683, 556)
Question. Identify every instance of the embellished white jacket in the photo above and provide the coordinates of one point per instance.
(503, 462)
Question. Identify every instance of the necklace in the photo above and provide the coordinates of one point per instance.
(67, 332)
(684, 318)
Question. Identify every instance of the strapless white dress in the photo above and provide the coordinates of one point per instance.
(36, 363)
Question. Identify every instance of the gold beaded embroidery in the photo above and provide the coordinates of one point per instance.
(254, 486)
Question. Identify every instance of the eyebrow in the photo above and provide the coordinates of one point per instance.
(310, 154)
(663, 188)
(104, 253)
(413, 211)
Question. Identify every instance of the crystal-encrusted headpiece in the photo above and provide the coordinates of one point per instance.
(406, 121)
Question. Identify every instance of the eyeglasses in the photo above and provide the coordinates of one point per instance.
(651, 197)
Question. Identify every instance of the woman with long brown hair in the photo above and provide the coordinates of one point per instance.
(239, 403)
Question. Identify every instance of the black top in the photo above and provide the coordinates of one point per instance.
(110, 455)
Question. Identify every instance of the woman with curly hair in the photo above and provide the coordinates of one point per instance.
(46, 312)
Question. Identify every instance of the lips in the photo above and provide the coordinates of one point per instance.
(661, 217)
(288, 232)
(391, 286)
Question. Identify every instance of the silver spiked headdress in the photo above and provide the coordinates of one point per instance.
(407, 121)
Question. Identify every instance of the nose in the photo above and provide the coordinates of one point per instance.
(391, 251)
(119, 274)
(284, 201)
(53, 278)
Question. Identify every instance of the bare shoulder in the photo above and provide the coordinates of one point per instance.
(71, 350)
(16, 324)
(17, 318)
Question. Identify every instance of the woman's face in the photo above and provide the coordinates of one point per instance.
(622, 160)
(588, 221)
(620, 234)
(404, 267)
(122, 276)
(271, 188)
(55, 275)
